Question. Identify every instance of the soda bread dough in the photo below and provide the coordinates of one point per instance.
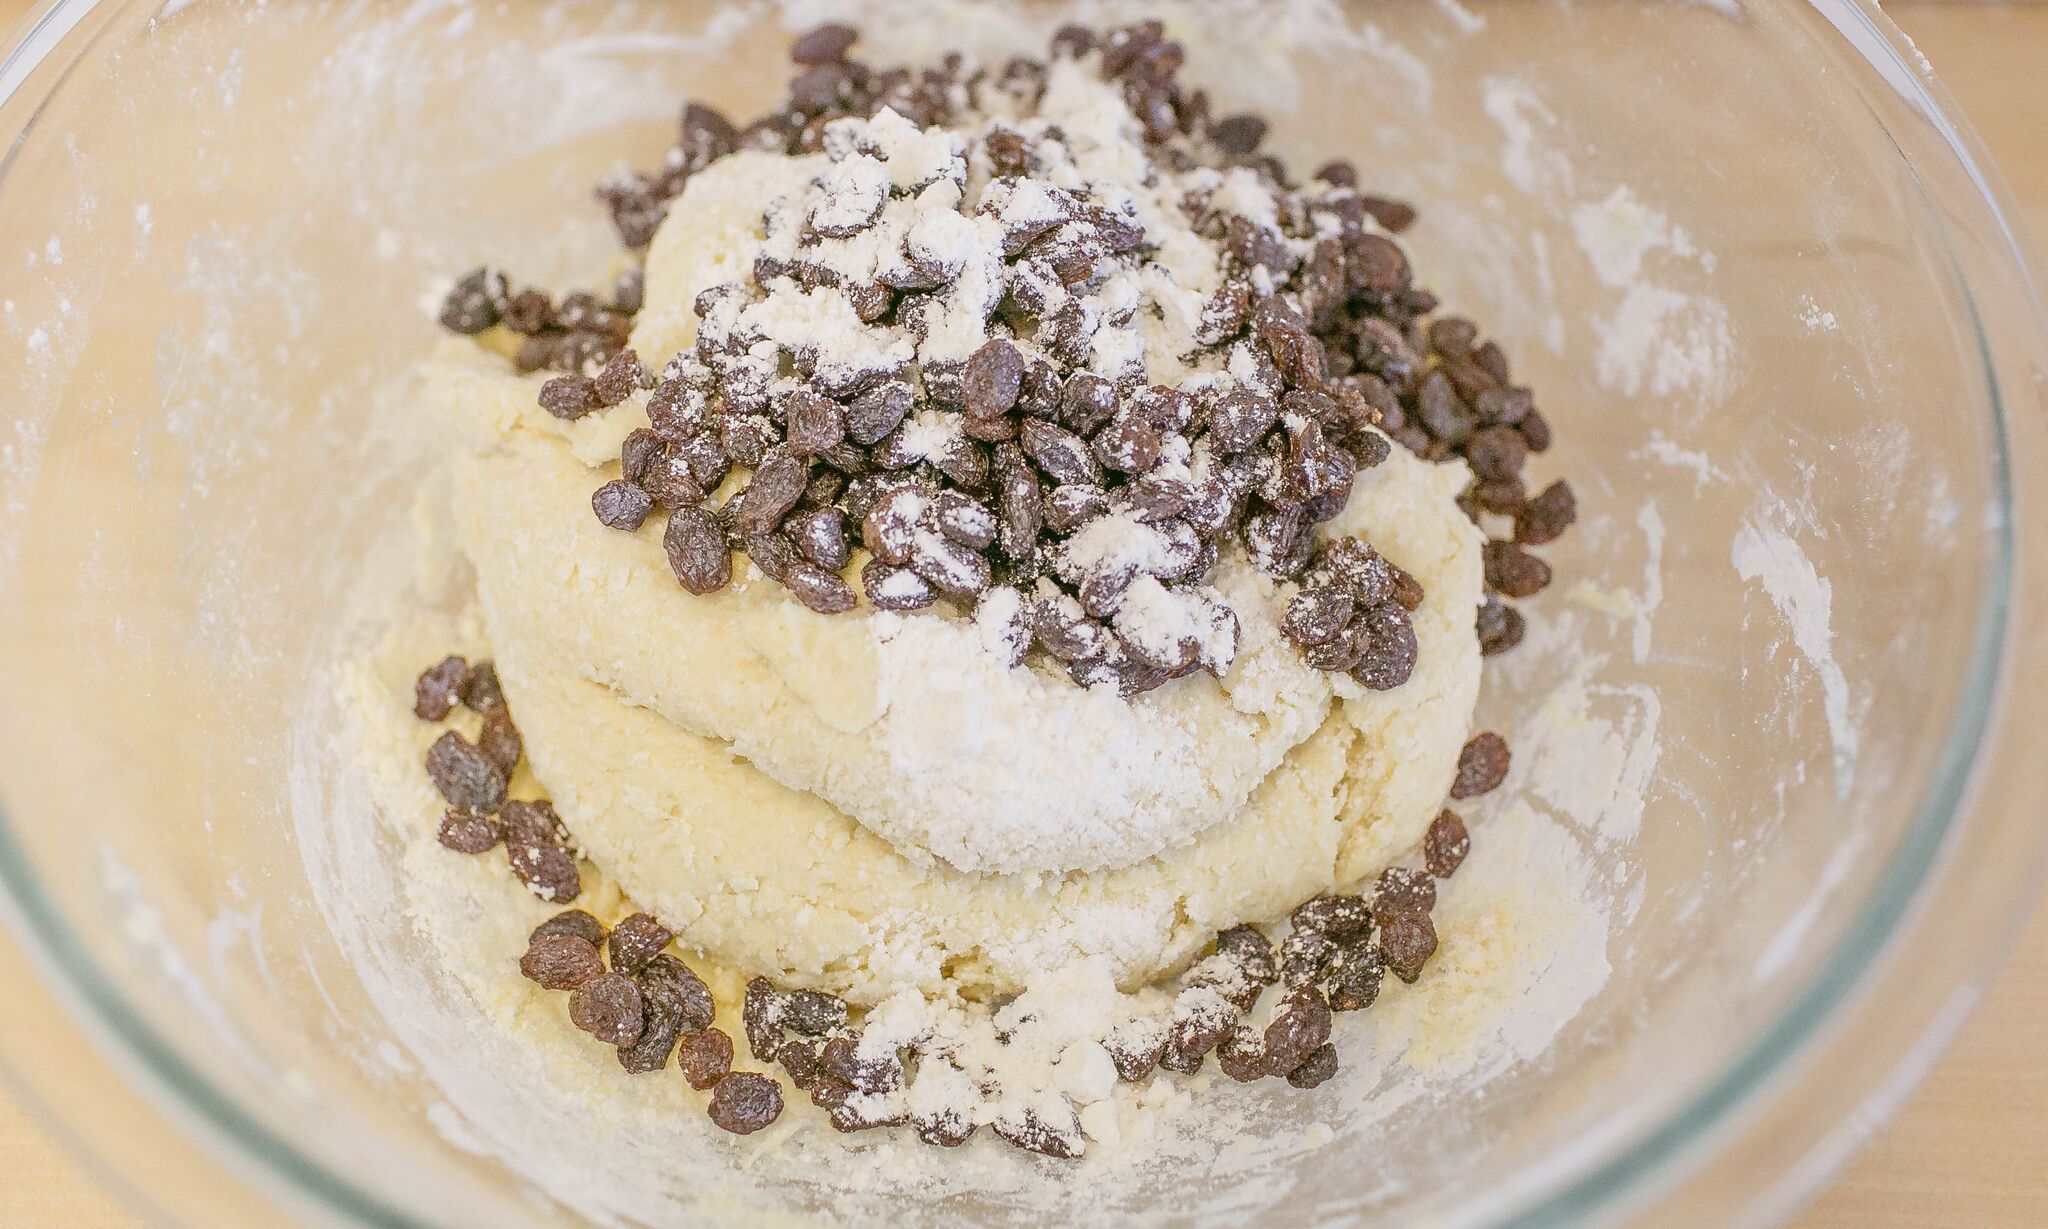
(799, 793)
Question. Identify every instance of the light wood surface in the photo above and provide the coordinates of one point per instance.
(1971, 1146)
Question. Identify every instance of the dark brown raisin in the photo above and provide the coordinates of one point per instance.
(1352, 976)
(1087, 401)
(820, 537)
(877, 412)
(774, 490)
(1251, 952)
(817, 424)
(481, 692)
(1535, 429)
(1452, 336)
(842, 1059)
(673, 983)
(1482, 765)
(799, 1059)
(1317, 1068)
(560, 962)
(1407, 941)
(1241, 1055)
(621, 505)
(1028, 1131)
(1496, 452)
(619, 378)
(1339, 917)
(1401, 890)
(744, 1102)
(467, 832)
(465, 776)
(637, 940)
(818, 588)
(438, 687)
(1500, 626)
(1302, 1024)
(1396, 216)
(608, 1007)
(1062, 455)
(1445, 845)
(546, 867)
(1315, 616)
(1338, 173)
(704, 1057)
(697, 551)
(1238, 134)
(1390, 652)
(1191, 1037)
(813, 1013)
(895, 588)
(761, 1014)
(1512, 571)
(568, 397)
(664, 1024)
(571, 922)
(824, 44)
(1240, 419)
(993, 378)
(476, 302)
(500, 742)
(1546, 517)
(1135, 1052)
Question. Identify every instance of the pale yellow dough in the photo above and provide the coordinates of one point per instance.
(697, 746)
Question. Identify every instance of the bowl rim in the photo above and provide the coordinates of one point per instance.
(1620, 1172)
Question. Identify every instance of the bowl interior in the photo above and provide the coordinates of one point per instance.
(1730, 716)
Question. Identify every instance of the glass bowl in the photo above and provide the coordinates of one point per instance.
(1772, 718)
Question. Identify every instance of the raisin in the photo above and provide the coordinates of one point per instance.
(560, 961)
(744, 1102)
(608, 1007)
(1352, 976)
(569, 397)
(1514, 572)
(465, 776)
(481, 692)
(637, 940)
(1317, 1068)
(571, 922)
(500, 742)
(1407, 941)
(622, 505)
(1316, 616)
(813, 1013)
(1482, 765)
(1401, 890)
(1238, 134)
(467, 832)
(761, 1014)
(697, 551)
(678, 987)
(1445, 845)
(1241, 1055)
(994, 377)
(1500, 626)
(1339, 917)
(705, 1057)
(1546, 517)
(476, 302)
(825, 44)
(1301, 1025)
(437, 689)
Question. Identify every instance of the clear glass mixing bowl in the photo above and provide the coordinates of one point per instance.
(1763, 281)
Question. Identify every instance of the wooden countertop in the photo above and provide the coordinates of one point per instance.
(1969, 1148)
